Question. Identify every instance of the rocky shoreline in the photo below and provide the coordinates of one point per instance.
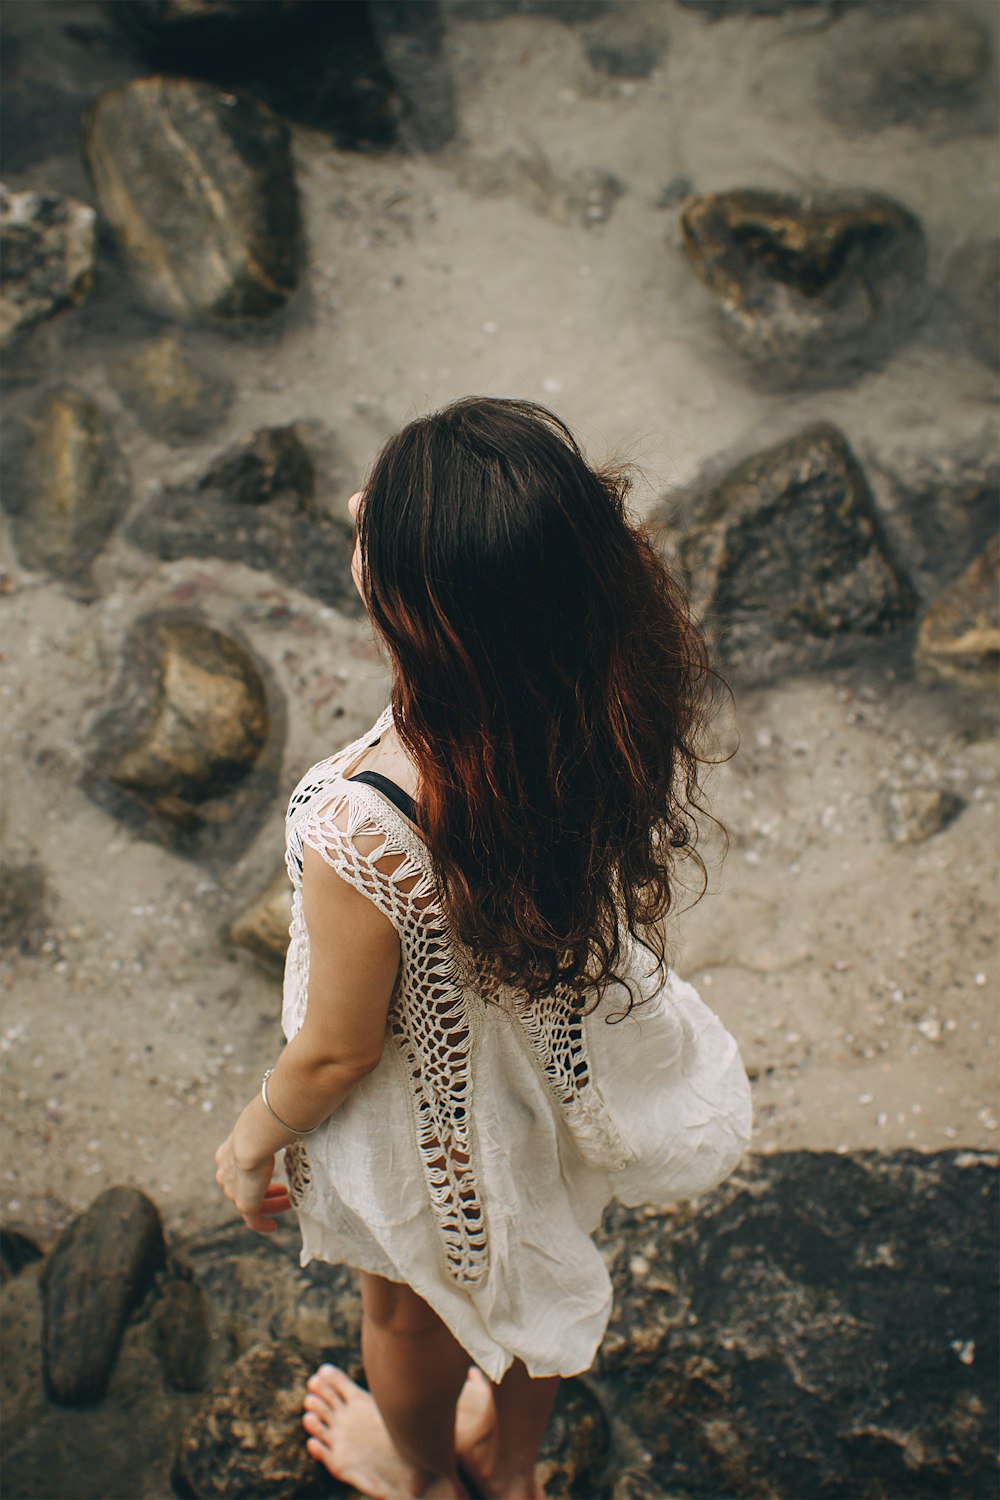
(750, 243)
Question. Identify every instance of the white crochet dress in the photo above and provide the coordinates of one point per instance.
(476, 1159)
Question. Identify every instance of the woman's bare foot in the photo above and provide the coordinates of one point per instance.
(476, 1430)
(348, 1437)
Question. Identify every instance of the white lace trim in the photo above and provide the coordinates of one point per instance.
(436, 1015)
(558, 1039)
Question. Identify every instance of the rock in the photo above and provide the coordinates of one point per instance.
(915, 813)
(622, 46)
(570, 12)
(812, 290)
(174, 395)
(906, 67)
(786, 556)
(271, 464)
(799, 1272)
(587, 196)
(372, 75)
(411, 39)
(97, 1274)
(199, 187)
(179, 1328)
(24, 919)
(959, 636)
(246, 1442)
(263, 927)
(575, 1448)
(940, 508)
(17, 1250)
(187, 750)
(636, 1484)
(971, 294)
(255, 505)
(47, 248)
(65, 485)
(717, 10)
(258, 1291)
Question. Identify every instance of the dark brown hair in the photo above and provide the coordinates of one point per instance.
(549, 683)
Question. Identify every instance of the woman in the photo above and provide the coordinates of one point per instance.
(485, 1043)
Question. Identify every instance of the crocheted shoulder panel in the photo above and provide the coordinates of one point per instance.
(435, 1028)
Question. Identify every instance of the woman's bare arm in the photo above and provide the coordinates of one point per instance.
(354, 958)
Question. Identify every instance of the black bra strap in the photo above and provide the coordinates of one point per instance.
(395, 793)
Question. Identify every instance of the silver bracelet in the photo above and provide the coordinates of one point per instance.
(277, 1118)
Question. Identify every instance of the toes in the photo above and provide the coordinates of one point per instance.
(342, 1385)
(331, 1385)
(315, 1424)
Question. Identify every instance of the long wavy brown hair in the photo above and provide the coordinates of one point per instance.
(549, 683)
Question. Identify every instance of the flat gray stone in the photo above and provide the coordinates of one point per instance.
(256, 504)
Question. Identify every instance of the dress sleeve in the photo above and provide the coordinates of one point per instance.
(368, 845)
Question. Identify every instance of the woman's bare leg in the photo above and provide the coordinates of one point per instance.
(416, 1369)
(504, 1467)
(399, 1440)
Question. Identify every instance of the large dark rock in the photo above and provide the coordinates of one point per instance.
(370, 72)
(46, 257)
(570, 12)
(928, 66)
(96, 1275)
(959, 637)
(188, 748)
(411, 40)
(812, 290)
(717, 10)
(787, 559)
(256, 504)
(174, 394)
(246, 1441)
(258, 1291)
(823, 1325)
(66, 485)
(199, 187)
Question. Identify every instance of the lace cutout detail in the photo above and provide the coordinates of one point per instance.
(298, 1171)
(558, 1039)
(431, 1021)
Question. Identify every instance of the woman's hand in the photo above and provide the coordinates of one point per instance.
(251, 1189)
